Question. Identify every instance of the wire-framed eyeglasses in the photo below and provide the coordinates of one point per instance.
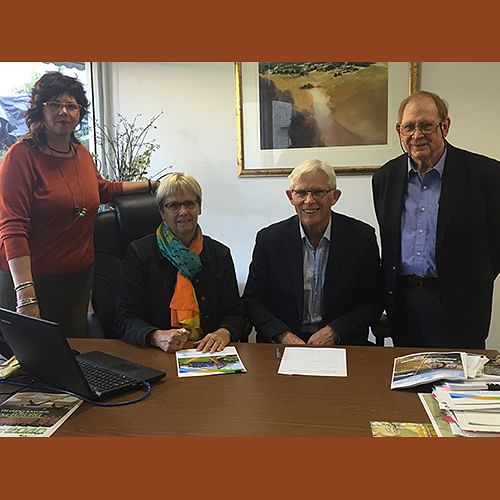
(301, 194)
(56, 106)
(408, 129)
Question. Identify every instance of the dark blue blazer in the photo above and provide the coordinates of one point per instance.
(468, 236)
(274, 292)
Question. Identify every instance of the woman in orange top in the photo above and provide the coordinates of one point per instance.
(50, 190)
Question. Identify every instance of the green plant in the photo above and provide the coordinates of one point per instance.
(126, 148)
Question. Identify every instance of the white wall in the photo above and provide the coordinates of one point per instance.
(473, 93)
(197, 133)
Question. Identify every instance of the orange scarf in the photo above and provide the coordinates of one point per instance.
(184, 309)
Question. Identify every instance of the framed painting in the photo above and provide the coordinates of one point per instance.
(340, 112)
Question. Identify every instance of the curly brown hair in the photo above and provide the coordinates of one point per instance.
(48, 87)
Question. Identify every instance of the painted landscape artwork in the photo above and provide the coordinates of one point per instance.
(323, 104)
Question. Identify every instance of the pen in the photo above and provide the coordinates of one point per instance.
(278, 352)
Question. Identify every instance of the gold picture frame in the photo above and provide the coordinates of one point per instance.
(402, 80)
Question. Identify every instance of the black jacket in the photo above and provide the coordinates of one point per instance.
(148, 285)
(467, 241)
(274, 293)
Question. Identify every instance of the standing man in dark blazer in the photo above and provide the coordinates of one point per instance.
(314, 278)
(438, 208)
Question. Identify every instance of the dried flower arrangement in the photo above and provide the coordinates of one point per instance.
(126, 148)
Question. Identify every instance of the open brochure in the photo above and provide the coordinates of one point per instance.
(35, 414)
(427, 367)
(193, 363)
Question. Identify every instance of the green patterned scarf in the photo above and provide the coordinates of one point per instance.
(185, 261)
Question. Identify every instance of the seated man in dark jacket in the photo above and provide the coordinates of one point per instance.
(179, 284)
(315, 277)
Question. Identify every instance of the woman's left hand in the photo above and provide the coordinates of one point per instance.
(215, 341)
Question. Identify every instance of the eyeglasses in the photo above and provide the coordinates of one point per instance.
(175, 206)
(56, 106)
(301, 194)
(426, 128)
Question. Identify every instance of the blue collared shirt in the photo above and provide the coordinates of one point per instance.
(419, 220)
(314, 269)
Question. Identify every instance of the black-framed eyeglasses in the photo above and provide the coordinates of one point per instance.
(56, 106)
(427, 128)
(175, 206)
(316, 193)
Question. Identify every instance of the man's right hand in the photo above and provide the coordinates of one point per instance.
(290, 338)
(169, 340)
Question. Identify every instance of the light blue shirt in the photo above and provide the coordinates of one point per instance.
(419, 220)
(314, 269)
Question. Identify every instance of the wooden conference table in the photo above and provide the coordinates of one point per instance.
(257, 403)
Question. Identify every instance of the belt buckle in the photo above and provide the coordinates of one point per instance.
(419, 281)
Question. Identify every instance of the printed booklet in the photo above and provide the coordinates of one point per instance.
(193, 363)
(35, 414)
(401, 429)
(427, 367)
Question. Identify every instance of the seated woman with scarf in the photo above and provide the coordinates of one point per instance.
(178, 284)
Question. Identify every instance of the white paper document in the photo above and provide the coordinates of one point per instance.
(317, 361)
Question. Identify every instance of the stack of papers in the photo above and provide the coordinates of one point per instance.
(469, 414)
(465, 400)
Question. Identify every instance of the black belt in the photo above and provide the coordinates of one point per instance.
(417, 281)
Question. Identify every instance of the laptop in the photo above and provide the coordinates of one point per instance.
(44, 353)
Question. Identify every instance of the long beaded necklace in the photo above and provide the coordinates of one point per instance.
(78, 212)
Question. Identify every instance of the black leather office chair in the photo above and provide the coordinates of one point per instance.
(129, 217)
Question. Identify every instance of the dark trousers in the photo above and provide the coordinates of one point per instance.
(62, 299)
(420, 320)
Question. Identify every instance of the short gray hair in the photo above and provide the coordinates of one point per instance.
(441, 104)
(310, 166)
(177, 182)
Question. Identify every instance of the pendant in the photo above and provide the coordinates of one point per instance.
(79, 213)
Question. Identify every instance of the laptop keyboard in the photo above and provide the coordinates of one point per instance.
(102, 379)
